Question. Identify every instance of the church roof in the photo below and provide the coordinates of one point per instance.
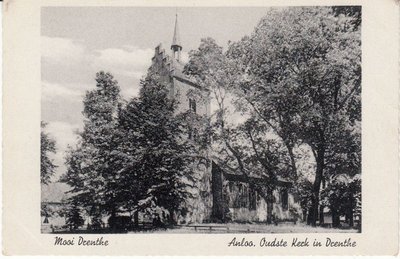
(54, 192)
(236, 176)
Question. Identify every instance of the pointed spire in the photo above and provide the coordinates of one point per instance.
(176, 40)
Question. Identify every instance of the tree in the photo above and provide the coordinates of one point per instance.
(74, 219)
(158, 158)
(353, 11)
(259, 154)
(343, 197)
(249, 147)
(47, 146)
(300, 72)
(133, 157)
(304, 192)
(342, 172)
(89, 164)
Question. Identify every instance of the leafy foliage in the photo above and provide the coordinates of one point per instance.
(89, 165)
(74, 217)
(343, 197)
(47, 146)
(300, 73)
(248, 147)
(158, 156)
(297, 80)
(132, 157)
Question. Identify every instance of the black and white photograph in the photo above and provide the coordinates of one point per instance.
(203, 120)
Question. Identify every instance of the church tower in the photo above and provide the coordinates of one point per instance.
(169, 68)
(193, 100)
(176, 42)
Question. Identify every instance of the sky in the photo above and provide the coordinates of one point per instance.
(77, 42)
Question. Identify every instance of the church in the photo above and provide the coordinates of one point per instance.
(222, 194)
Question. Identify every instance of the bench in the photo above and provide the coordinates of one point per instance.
(280, 221)
(209, 227)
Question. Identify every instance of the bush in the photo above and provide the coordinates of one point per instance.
(120, 223)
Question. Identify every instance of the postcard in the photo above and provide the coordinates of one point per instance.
(200, 127)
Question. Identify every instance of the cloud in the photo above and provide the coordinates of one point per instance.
(55, 90)
(62, 50)
(129, 61)
(69, 67)
(63, 133)
(68, 70)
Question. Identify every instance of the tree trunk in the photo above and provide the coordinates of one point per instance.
(304, 215)
(314, 210)
(309, 216)
(351, 217)
(218, 208)
(292, 160)
(270, 205)
(136, 219)
(321, 215)
(320, 157)
(335, 218)
(172, 220)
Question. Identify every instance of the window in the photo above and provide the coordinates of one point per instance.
(244, 197)
(253, 199)
(190, 133)
(230, 198)
(192, 105)
(237, 195)
(193, 134)
(284, 199)
(231, 186)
